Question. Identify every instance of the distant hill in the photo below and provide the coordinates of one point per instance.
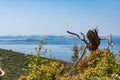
(34, 39)
(51, 39)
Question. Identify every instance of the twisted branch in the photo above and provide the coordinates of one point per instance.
(82, 55)
(82, 39)
(110, 41)
(93, 44)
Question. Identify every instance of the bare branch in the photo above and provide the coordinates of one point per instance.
(82, 55)
(110, 42)
(74, 34)
(82, 39)
(105, 38)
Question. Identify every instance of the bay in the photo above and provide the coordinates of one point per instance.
(62, 52)
(60, 47)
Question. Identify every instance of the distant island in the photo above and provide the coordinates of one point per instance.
(51, 39)
(33, 39)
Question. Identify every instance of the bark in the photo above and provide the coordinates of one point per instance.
(94, 39)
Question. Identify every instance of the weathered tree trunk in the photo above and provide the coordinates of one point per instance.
(92, 45)
(94, 39)
(92, 35)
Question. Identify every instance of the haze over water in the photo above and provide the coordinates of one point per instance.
(59, 46)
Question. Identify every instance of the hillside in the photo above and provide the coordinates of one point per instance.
(12, 64)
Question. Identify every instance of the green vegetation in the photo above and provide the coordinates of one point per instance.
(12, 63)
(16, 64)
(42, 69)
(98, 65)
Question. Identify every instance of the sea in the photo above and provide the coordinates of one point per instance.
(58, 47)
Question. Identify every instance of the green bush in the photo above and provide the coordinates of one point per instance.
(42, 69)
(98, 65)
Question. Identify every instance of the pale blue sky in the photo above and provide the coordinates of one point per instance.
(55, 17)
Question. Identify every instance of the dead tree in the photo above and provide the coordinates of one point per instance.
(92, 44)
(92, 35)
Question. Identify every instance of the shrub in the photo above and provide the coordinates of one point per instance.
(98, 65)
(42, 69)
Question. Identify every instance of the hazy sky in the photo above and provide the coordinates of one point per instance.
(55, 17)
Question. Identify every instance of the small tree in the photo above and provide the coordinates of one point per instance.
(92, 43)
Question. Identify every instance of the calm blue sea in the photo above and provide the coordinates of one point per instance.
(59, 46)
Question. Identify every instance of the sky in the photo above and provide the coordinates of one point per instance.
(55, 17)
